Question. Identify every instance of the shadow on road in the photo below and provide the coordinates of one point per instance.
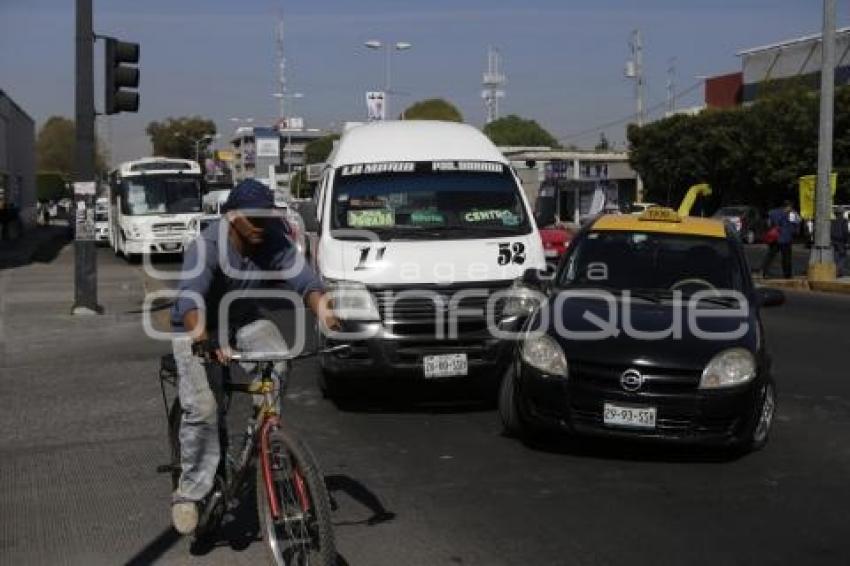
(390, 396)
(40, 245)
(632, 450)
(155, 549)
(362, 495)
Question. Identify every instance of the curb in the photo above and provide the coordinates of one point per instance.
(801, 284)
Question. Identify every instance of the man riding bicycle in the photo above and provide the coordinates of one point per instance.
(224, 262)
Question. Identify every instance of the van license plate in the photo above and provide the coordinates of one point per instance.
(445, 365)
(638, 417)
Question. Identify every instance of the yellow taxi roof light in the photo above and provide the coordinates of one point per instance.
(660, 214)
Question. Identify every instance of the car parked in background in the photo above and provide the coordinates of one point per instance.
(748, 221)
(556, 240)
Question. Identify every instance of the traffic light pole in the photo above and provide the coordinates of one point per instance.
(85, 260)
(822, 263)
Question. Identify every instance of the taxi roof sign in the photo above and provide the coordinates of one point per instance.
(659, 214)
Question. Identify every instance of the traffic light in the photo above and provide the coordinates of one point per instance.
(120, 78)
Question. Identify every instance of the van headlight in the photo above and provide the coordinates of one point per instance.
(544, 354)
(521, 301)
(352, 301)
(735, 366)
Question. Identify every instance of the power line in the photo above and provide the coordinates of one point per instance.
(630, 117)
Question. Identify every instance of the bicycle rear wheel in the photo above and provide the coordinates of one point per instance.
(301, 534)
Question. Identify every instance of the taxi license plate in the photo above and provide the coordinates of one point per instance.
(635, 417)
(445, 365)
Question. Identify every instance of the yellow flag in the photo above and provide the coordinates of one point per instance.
(807, 194)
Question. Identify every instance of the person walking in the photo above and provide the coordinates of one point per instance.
(839, 236)
(783, 222)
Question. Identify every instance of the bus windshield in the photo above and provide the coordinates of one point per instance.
(429, 205)
(160, 194)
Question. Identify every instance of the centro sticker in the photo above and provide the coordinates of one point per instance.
(370, 218)
(488, 215)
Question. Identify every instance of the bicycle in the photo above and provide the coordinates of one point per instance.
(292, 499)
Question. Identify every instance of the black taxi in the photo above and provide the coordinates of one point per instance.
(649, 329)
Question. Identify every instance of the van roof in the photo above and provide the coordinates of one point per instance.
(414, 140)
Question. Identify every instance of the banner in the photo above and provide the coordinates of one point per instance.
(376, 105)
(268, 147)
(807, 194)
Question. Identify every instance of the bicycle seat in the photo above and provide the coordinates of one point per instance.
(167, 364)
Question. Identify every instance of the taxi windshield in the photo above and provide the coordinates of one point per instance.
(623, 260)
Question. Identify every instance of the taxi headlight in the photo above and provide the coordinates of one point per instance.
(729, 368)
(544, 354)
(352, 301)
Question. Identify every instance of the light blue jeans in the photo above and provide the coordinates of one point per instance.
(200, 448)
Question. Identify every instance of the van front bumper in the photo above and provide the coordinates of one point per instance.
(377, 353)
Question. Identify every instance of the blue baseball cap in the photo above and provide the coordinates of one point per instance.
(248, 194)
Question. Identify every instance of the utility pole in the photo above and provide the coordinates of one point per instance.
(85, 259)
(281, 62)
(822, 262)
(634, 70)
(494, 81)
(671, 86)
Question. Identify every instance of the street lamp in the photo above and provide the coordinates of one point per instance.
(203, 140)
(388, 48)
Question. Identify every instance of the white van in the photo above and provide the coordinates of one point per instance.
(420, 223)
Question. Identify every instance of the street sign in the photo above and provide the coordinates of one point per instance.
(376, 105)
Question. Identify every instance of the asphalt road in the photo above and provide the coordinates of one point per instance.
(417, 483)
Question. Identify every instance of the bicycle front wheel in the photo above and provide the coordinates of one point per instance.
(301, 532)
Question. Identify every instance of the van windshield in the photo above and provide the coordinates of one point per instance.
(427, 202)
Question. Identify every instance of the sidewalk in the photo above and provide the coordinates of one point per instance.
(841, 285)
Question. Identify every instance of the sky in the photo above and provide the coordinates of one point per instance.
(564, 59)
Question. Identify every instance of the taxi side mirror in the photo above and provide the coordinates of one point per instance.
(768, 297)
(537, 279)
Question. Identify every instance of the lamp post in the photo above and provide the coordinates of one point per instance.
(388, 48)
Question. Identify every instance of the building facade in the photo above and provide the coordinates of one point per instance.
(17, 168)
(270, 154)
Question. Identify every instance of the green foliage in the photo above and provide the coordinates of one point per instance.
(752, 155)
(55, 147)
(51, 185)
(433, 109)
(515, 131)
(318, 150)
(177, 137)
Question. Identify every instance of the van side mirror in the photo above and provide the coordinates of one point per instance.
(768, 297)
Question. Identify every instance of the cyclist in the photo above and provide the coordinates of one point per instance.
(221, 264)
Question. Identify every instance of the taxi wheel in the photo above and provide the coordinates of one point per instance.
(757, 434)
(512, 423)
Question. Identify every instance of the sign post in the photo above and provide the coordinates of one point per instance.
(85, 258)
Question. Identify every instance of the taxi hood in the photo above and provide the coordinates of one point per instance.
(634, 333)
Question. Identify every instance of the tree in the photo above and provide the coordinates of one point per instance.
(750, 155)
(178, 137)
(50, 186)
(55, 148)
(433, 109)
(318, 150)
(516, 131)
(603, 144)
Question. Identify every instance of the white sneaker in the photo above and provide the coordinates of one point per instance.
(184, 515)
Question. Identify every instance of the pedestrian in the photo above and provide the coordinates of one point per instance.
(782, 222)
(839, 236)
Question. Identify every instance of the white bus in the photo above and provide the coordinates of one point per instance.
(155, 206)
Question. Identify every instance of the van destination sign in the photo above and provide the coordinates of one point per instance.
(412, 166)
